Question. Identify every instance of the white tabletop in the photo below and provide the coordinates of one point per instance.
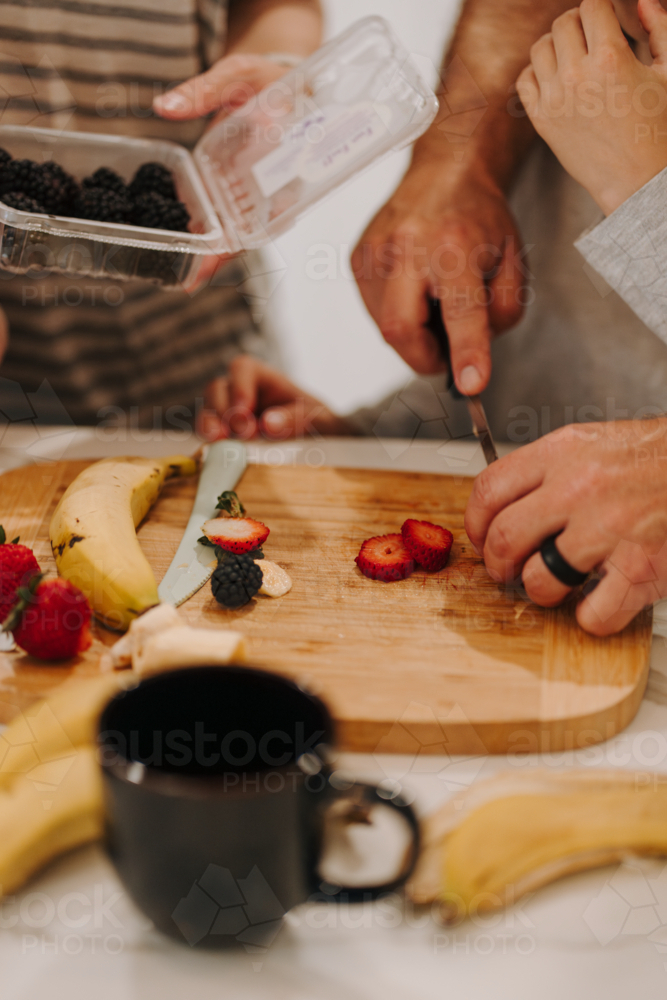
(72, 934)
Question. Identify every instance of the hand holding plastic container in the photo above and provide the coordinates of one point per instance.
(250, 176)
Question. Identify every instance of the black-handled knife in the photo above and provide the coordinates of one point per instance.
(475, 406)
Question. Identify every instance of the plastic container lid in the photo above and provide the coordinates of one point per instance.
(354, 100)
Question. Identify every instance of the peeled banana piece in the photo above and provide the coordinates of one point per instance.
(508, 836)
(93, 533)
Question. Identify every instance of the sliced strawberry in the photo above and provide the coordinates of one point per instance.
(236, 534)
(427, 543)
(385, 557)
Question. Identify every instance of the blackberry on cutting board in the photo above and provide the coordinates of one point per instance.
(153, 177)
(21, 202)
(101, 205)
(236, 580)
(153, 211)
(108, 179)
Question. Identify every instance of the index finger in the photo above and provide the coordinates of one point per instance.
(507, 480)
(464, 300)
(228, 84)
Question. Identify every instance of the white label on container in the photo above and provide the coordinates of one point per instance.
(319, 147)
(345, 137)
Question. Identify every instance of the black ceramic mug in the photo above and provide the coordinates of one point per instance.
(218, 788)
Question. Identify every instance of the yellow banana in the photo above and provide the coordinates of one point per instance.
(50, 731)
(93, 533)
(31, 834)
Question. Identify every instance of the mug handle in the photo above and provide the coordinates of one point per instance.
(366, 797)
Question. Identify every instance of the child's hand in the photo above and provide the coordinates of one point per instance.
(603, 112)
(226, 86)
(254, 399)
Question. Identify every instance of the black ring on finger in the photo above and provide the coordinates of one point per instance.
(559, 567)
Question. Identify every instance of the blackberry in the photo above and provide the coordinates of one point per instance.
(20, 175)
(107, 179)
(21, 202)
(60, 189)
(5, 158)
(236, 580)
(155, 212)
(48, 184)
(101, 205)
(153, 177)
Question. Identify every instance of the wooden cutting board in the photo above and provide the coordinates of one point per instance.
(440, 663)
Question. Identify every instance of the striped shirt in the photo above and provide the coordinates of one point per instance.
(120, 348)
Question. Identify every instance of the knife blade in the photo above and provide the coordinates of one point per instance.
(193, 564)
(480, 425)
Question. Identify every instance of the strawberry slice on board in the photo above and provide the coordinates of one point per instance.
(428, 544)
(385, 557)
(236, 534)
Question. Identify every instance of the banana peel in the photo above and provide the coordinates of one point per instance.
(510, 835)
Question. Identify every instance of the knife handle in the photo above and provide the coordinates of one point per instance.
(435, 324)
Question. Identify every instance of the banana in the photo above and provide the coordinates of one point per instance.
(31, 835)
(93, 533)
(50, 731)
(510, 835)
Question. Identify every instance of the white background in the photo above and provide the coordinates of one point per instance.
(331, 347)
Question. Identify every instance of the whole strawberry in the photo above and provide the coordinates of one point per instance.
(17, 566)
(51, 620)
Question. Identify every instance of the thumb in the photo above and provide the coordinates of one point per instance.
(653, 17)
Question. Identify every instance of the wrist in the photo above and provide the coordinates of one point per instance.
(491, 152)
(447, 172)
(614, 195)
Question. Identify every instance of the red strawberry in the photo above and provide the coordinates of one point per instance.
(17, 566)
(51, 619)
(427, 543)
(385, 557)
(236, 534)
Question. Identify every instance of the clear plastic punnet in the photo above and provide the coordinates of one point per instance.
(248, 179)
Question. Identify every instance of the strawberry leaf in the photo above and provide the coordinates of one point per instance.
(219, 553)
(230, 502)
(3, 536)
(25, 597)
(15, 541)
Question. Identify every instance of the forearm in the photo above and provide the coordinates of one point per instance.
(293, 26)
(490, 47)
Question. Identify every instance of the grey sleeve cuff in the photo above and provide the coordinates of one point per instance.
(629, 250)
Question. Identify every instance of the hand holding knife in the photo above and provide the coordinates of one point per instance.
(554, 561)
(475, 406)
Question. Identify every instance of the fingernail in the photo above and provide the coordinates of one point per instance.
(170, 102)
(470, 381)
(275, 420)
